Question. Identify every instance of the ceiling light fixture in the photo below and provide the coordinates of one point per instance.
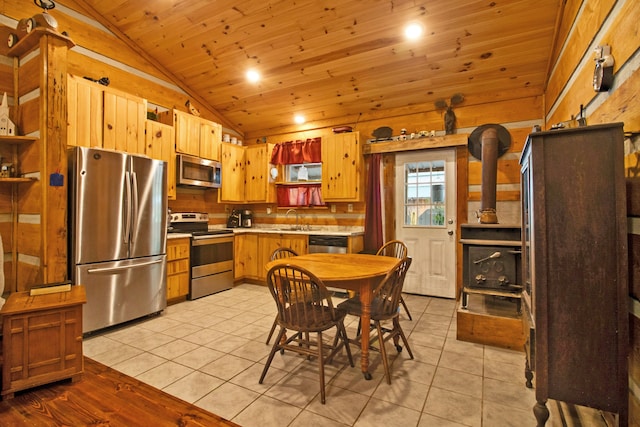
(253, 76)
(413, 31)
(299, 119)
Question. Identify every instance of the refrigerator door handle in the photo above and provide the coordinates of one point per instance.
(134, 205)
(125, 267)
(127, 208)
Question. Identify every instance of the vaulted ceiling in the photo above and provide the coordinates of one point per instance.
(338, 61)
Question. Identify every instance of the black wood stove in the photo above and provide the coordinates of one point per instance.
(491, 257)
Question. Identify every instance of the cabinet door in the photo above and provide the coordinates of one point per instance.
(341, 159)
(124, 122)
(232, 159)
(246, 256)
(84, 109)
(177, 268)
(270, 242)
(160, 144)
(256, 173)
(187, 133)
(210, 140)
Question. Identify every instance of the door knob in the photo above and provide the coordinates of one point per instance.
(450, 232)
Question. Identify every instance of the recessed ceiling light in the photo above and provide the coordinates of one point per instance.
(253, 76)
(413, 31)
(299, 119)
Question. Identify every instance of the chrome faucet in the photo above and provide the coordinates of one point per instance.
(286, 215)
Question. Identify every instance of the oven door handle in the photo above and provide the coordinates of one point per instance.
(211, 240)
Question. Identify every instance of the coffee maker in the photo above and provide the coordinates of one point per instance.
(235, 219)
(247, 218)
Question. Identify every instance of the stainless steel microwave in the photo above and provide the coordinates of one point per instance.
(198, 172)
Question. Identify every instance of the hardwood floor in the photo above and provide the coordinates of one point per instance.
(103, 397)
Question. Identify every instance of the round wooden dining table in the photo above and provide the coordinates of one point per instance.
(355, 272)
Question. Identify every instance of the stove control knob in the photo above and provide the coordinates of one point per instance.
(503, 280)
(480, 278)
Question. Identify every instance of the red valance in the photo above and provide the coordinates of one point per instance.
(293, 152)
(299, 195)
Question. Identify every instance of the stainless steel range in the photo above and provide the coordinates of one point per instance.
(211, 253)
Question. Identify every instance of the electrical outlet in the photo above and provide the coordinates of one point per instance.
(333, 208)
(350, 207)
(268, 210)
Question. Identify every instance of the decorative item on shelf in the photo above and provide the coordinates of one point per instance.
(7, 127)
(382, 133)
(104, 81)
(449, 115)
(26, 25)
(192, 108)
(342, 129)
(603, 72)
(7, 170)
(403, 135)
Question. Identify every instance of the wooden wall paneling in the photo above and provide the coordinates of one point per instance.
(623, 38)
(621, 106)
(584, 29)
(6, 76)
(28, 117)
(28, 75)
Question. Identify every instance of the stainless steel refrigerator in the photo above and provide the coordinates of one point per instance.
(118, 223)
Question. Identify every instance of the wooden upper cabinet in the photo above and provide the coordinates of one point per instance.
(233, 165)
(341, 164)
(124, 122)
(160, 145)
(258, 187)
(84, 112)
(197, 136)
(245, 173)
(101, 117)
(210, 140)
(187, 129)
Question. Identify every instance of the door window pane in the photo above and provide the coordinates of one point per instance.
(424, 195)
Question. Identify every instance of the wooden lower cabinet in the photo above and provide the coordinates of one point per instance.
(252, 250)
(270, 242)
(42, 339)
(178, 268)
(245, 260)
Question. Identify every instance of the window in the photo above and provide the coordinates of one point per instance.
(424, 194)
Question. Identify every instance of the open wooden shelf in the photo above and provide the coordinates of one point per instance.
(6, 139)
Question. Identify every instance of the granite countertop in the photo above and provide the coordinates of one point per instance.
(314, 230)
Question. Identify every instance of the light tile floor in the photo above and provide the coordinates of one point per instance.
(211, 352)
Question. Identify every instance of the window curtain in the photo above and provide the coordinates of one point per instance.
(293, 152)
(373, 236)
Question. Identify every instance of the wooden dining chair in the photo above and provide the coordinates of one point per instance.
(396, 249)
(305, 307)
(384, 307)
(279, 254)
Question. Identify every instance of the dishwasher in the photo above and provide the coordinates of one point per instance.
(330, 245)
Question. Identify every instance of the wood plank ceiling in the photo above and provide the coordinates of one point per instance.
(337, 61)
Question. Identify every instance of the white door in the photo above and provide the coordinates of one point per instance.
(426, 219)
